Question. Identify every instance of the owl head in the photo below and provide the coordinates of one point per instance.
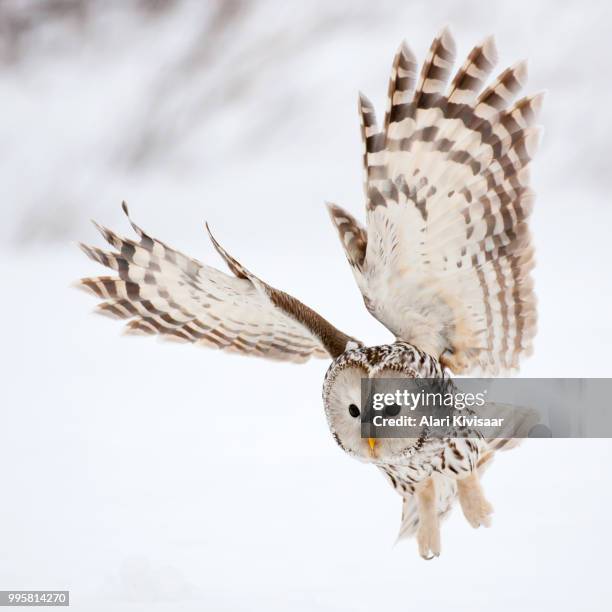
(342, 397)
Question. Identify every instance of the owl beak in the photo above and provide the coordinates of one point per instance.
(372, 443)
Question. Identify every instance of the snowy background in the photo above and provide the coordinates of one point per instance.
(120, 480)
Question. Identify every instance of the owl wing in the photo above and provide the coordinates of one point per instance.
(445, 259)
(163, 292)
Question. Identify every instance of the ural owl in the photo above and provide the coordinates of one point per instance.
(443, 262)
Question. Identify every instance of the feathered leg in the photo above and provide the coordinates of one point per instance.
(428, 534)
(476, 508)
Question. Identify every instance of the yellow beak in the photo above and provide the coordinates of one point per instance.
(372, 443)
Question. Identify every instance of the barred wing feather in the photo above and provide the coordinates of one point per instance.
(446, 256)
(163, 292)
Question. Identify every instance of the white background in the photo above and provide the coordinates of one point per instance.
(144, 476)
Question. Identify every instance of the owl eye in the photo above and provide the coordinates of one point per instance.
(392, 410)
(354, 411)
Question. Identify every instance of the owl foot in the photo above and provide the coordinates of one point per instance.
(428, 539)
(428, 534)
(476, 508)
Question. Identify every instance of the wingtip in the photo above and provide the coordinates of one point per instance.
(133, 332)
(537, 100)
(446, 37)
(444, 31)
(103, 310)
(233, 264)
(84, 247)
(209, 232)
(99, 227)
(406, 51)
(214, 241)
(367, 114)
(332, 210)
(86, 285)
(489, 47)
(521, 71)
(77, 284)
(364, 101)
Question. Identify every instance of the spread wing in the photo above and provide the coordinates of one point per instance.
(163, 292)
(445, 259)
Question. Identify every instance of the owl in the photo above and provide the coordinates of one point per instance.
(443, 261)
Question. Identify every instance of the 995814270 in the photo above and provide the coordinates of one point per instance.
(34, 598)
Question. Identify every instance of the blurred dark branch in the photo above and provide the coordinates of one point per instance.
(20, 20)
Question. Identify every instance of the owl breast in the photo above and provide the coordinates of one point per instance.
(450, 457)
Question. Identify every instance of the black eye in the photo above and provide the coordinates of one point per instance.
(354, 411)
(392, 410)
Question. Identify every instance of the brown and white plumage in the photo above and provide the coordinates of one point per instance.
(161, 291)
(443, 261)
(445, 258)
